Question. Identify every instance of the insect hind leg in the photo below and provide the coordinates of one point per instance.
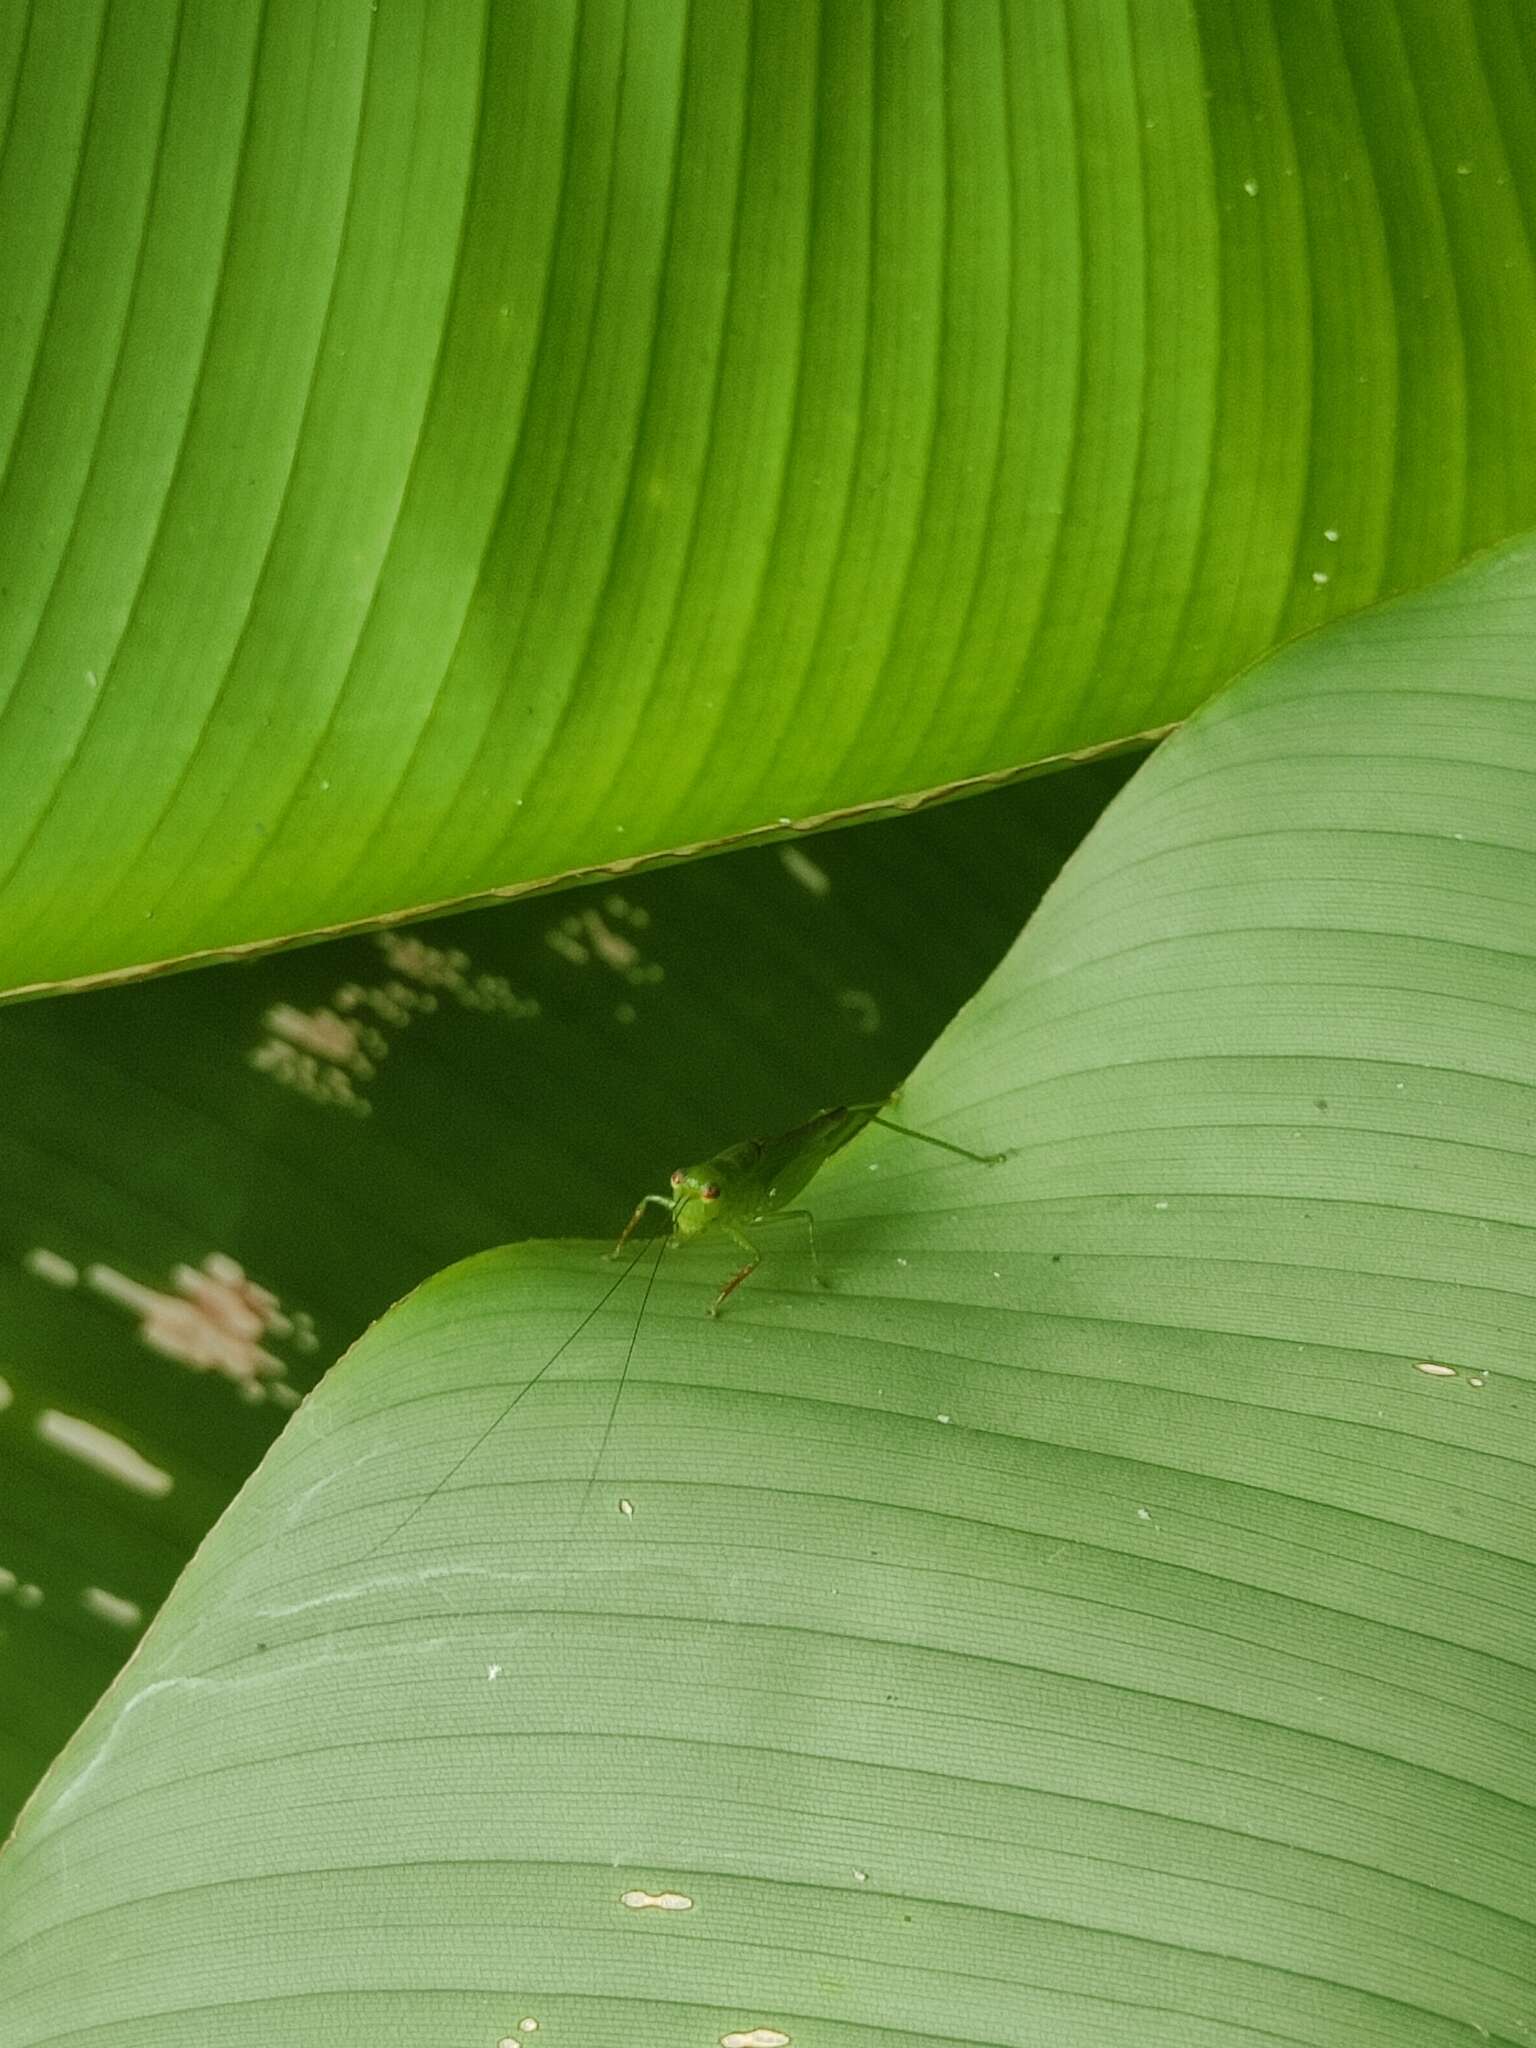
(810, 1226)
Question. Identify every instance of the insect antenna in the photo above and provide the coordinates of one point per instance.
(618, 1392)
(527, 1388)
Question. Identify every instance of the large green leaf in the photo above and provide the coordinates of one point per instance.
(297, 1142)
(1104, 1615)
(451, 447)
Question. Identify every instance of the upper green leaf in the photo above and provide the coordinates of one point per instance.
(448, 447)
(1105, 1615)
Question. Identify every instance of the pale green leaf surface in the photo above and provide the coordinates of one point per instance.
(447, 448)
(1087, 1620)
(342, 1121)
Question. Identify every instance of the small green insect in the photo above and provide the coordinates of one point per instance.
(750, 1183)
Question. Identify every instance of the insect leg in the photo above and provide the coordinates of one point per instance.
(736, 1278)
(981, 1158)
(661, 1202)
(810, 1225)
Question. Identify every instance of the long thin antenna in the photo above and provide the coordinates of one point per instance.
(526, 1388)
(618, 1392)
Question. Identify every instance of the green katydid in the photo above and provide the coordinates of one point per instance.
(744, 1185)
(750, 1183)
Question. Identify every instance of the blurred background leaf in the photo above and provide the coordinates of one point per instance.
(330, 1126)
(1104, 1614)
(445, 448)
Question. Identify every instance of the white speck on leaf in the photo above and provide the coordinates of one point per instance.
(1432, 1369)
(661, 1902)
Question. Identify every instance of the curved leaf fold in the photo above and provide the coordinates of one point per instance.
(1105, 1612)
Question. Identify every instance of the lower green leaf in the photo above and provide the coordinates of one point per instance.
(1102, 1615)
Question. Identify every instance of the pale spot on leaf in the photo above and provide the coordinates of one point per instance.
(802, 869)
(1433, 1370)
(103, 1452)
(46, 1265)
(214, 1322)
(112, 1607)
(328, 1054)
(862, 1009)
(756, 2037)
(611, 947)
(660, 1902)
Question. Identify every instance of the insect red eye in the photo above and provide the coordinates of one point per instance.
(711, 1193)
(677, 1178)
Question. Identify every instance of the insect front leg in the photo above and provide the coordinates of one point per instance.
(753, 1262)
(645, 1201)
